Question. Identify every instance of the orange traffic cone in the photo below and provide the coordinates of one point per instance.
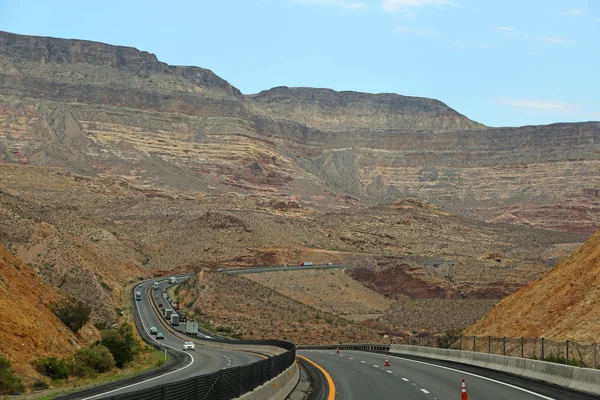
(387, 361)
(337, 351)
(464, 391)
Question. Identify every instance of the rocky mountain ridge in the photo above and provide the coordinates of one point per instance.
(99, 109)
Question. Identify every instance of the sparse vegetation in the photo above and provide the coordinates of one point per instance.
(90, 360)
(9, 382)
(53, 367)
(122, 344)
(73, 313)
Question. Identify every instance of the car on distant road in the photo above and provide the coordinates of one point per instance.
(160, 335)
(153, 331)
(329, 263)
(160, 305)
(189, 346)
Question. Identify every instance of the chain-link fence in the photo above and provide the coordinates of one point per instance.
(571, 353)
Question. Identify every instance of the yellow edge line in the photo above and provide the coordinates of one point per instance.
(327, 376)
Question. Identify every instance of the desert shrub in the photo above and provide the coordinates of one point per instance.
(53, 367)
(224, 329)
(9, 382)
(40, 385)
(122, 344)
(73, 313)
(96, 358)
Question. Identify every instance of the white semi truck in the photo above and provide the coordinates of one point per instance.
(191, 328)
(174, 319)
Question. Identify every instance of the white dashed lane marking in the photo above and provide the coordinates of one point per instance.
(363, 362)
(405, 380)
(424, 391)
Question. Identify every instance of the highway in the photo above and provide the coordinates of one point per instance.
(204, 359)
(359, 375)
(241, 271)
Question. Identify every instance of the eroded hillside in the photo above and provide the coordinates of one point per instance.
(94, 235)
(561, 305)
(98, 109)
(28, 328)
(259, 312)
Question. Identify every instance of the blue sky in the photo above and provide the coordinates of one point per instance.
(500, 62)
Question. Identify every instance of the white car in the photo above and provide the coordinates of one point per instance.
(189, 346)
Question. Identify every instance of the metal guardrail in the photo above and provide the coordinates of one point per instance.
(364, 347)
(225, 384)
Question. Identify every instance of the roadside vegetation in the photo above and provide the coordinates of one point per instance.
(119, 354)
(9, 382)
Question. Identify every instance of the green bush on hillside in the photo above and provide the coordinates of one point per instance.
(9, 382)
(122, 344)
(88, 361)
(53, 367)
(73, 313)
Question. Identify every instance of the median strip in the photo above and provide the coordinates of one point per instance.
(330, 384)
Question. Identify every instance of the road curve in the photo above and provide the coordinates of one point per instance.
(361, 375)
(203, 360)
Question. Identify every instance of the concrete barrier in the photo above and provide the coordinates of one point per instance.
(583, 379)
(277, 388)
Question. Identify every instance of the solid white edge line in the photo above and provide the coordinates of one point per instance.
(479, 376)
(147, 380)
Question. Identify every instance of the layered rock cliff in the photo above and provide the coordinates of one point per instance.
(99, 109)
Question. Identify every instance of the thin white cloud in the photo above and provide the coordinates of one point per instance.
(393, 6)
(542, 105)
(415, 31)
(555, 40)
(574, 11)
(351, 5)
(505, 29)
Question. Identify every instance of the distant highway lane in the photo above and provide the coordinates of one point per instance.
(203, 360)
(359, 375)
(281, 268)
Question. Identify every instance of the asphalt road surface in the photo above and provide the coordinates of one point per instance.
(274, 269)
(359, 375)
(203, 360)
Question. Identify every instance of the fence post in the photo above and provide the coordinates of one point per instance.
(504, 346)
(438, 341)
(567, 352)
(543, 350)
(594, 355)
(474, 348)
(522, 347)
(460, 342)
(409, 339)
(489, 345)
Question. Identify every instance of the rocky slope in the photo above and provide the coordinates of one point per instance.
(258, 312)
(560, 305)
(98, 109)
(28, 329)
(93, 235)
